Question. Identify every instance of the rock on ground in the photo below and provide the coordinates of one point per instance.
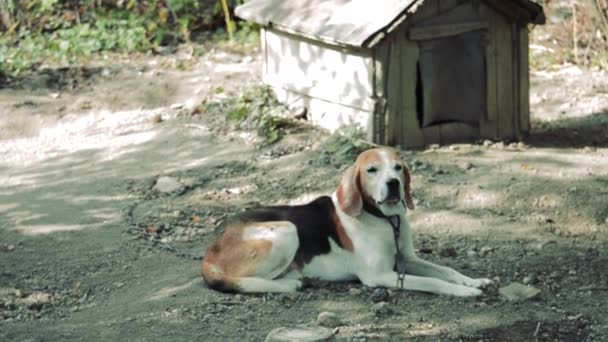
(517, 291)
(303, 334)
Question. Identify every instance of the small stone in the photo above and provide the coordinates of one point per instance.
(554, 275)
(575, 317)
(471, 253)
(380, 295)
(499, 145)
(517, 292)
(529, 279)
(36, 300)
(328, 320)
(167, 184)
(354, 291)
(7, 247)
(485, 250)
(156, 119)
(521, 145)
(302, 334)
(381, 309)
(465, 166)
(487, 143)
(606, 220)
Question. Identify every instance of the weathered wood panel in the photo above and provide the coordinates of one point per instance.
(504, 64)
(411, 135)
(524, 81)
(388, 54)
(428, 9)
(441, 31)
(455, 132)
(381, 129)
(489, 124)
(343, 76)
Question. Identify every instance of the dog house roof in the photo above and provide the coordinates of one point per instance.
(344, 22)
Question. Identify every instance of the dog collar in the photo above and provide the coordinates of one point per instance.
(395, 222)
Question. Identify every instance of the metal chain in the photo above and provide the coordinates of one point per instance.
(136, 228)
(395, 222)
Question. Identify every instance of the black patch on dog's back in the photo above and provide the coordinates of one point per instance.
(314, 222)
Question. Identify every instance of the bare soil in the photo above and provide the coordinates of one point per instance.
(88, 246)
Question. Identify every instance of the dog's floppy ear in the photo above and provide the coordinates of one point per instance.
(407, 189)
(349, 194)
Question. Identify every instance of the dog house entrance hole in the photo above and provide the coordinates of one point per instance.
(451, 80)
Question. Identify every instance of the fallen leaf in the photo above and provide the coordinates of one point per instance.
(152, 229)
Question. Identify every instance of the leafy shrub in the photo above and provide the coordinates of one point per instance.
(69, 30)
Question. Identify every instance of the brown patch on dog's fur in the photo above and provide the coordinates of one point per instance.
(232, 257)
(344, 240)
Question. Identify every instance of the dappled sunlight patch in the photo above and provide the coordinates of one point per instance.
(44, 229)
(443, 220)
(8, 207)
(20, 216)
(477, 198)
(86, 199)
(97, 130)
(106, 215)
(551, 200)
(170, 291)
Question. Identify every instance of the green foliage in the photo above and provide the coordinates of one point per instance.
(344, 145)
(62, 31)
(256, 107)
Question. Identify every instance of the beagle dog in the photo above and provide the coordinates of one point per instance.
(359, 233)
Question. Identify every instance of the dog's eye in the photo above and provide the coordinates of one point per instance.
(398, 167)
(371, 169)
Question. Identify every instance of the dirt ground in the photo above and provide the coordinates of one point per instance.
(85, 231)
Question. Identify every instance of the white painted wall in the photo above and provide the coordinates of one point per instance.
(334, 84)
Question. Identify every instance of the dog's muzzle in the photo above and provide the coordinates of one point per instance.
(394, 193)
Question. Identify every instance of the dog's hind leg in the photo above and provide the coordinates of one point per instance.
(250, 256)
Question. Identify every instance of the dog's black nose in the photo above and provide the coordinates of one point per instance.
(393, 186)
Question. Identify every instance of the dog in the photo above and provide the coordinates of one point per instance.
(359, 233)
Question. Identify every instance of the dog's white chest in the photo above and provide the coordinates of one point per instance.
(335, 265)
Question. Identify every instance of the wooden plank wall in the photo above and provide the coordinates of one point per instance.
(403, 127)
(488, 125)
(507, 83)
(524, 82)
(431, 135)
(455, 132)
(504, 79)
(411, 134)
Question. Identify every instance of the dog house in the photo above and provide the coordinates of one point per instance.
(411, 72)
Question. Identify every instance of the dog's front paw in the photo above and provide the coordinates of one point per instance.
(465, 291)
(478, 283)
(290, 285)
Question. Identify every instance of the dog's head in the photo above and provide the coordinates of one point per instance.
(378, 178)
